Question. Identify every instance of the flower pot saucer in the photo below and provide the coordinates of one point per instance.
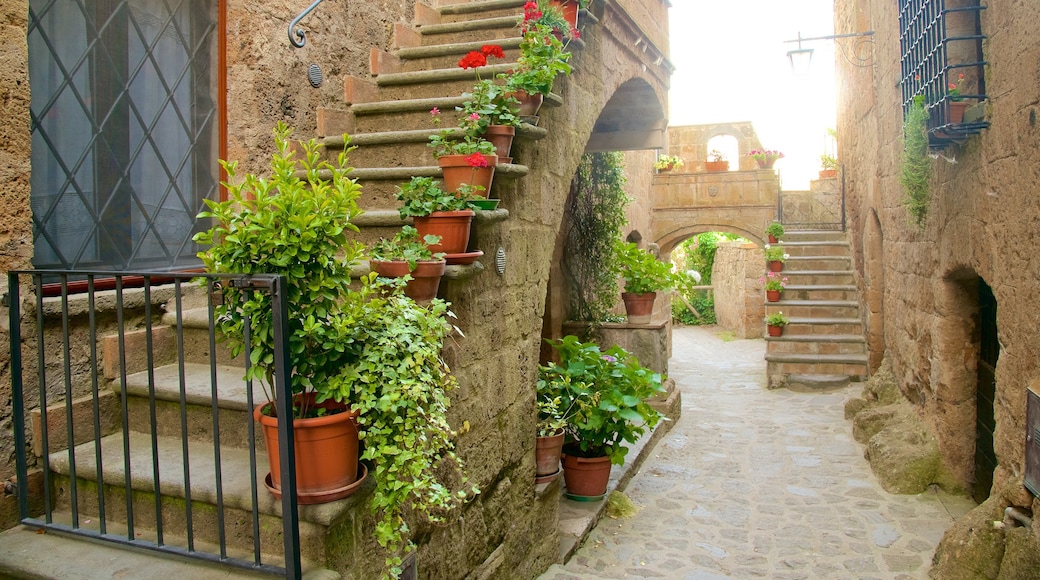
(547, 478)
(323, 496)
(463, 259)
(583, 498)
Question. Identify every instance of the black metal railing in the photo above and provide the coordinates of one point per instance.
(89, 461)
(825, 216)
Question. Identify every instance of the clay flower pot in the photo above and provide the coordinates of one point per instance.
(501, 136)
(776, 266)
(458, 169)
(548, 450)
(773, 295)
(586, 477)
(569, 9)
(426, 277)
(716, 166)
(639, 307)
(775, 330)
(452, 226)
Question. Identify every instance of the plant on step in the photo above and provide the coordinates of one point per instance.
(553, 414)
(641, 270)
(775, 229)
(423, 195)
(464, 140)
(492, 103)
(828, 161)
(773, 281)
(609, 390)
(406, 246)
(542, 54)
(669, 162)
(293, 223)
(775, 252)
(916, 169)
(777, 319)
(716, 156)
(400, 383)
(765, 156)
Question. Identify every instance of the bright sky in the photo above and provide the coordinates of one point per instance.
(731, 65)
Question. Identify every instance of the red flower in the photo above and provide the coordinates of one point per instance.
(531, 11)
(492, 50)
(477, 160)
(575, 33)
(472, 60)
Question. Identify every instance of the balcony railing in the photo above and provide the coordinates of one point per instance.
(141, 432)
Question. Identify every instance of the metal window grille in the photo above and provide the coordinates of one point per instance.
(124, 131)
(941, 48)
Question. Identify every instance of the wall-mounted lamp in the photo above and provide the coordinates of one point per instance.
(856, 48)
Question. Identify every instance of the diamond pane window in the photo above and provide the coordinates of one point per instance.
(941, 47)
(124, 131)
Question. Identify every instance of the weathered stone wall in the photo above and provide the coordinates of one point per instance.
(981, 223)
(739, 297)
(691, 143)
(817, 208)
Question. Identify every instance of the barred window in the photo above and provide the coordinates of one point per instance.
(941, 48)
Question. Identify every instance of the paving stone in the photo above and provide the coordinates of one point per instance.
(753, 483)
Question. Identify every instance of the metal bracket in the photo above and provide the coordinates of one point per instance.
(297, 33)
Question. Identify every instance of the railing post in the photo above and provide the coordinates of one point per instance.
(17, 405)
(287, 451)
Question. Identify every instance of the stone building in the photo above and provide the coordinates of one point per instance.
(245, 76)
(948, 303)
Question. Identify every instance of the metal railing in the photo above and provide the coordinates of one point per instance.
(90, 461)
(825, 216)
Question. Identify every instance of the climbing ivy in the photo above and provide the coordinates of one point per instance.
(596, 206)
(917, 166)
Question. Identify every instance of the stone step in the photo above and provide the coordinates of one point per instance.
(799, 263)
(817, 248)
(828, 309)
(820, 292)
(481, 7)
(779, 370)
(469, 29)
(440, 56)
(234, 469)
(434, 82)
(816, 344)
(792, 235)
(824, 326)
(415, 113)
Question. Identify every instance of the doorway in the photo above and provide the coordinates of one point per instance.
(989, 352)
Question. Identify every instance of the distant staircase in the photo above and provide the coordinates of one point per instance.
(824, 343)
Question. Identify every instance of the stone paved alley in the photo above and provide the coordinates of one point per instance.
(752, 483)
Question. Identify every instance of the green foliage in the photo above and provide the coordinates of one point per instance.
(668, 162)
(492, 103)
(701, 300)
(775, 229)
(700, 252)
(775, 252)
(641, 270)
(296, 227)
(609, 389)
(406, 246)
(916, 170)
(828, 161)
(596, 209)
(777, 319)
(423, 196)
(542, 55)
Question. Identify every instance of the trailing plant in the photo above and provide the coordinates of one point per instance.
(423, 195)
(916, 169)
(406, 246)
(609, 390)
(641, 270)
(775, 229)
(296, 227)
(596, 214)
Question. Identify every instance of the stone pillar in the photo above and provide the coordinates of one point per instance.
(739, 301)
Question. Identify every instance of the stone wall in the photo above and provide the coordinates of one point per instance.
(817, 208)
(691, 143)
(739, 298)
(981, 224)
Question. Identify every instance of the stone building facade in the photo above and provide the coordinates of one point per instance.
(927, 288)
(509, 531)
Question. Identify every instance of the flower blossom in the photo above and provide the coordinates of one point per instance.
(473, 59)
(476, 160)
(474, 116)
(609, 358)
(492, 50)
(531, 11)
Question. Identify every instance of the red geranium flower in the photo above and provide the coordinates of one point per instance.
(477, 160)
(492, 50)
(472, 60)
(531, 11)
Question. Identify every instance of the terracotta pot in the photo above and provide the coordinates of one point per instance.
(529, 104)
(569, 9)
(773, 295)
(326, 452)
(456, 171)
(715, 166)
(639, 307)
(547, 453)
(828, 173)
(775, 330)
(452, 226)
(665, 169)
(426, 278)
(501, 136)
(772, 239)
(776, 266)
(586, 476)
(956, 111)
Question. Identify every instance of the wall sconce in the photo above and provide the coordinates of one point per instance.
(858, 52)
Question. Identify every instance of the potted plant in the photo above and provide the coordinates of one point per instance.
(776, 322)
(829, 166)
(644, 277)
(439, 213)
(464, 156)
(542, 57)
(498, 114)
(666, 163)
(774, 284)
(553, 418)
(957, 104)
(765, 158)
(408, 256)
(775, 256)
(569, 9)
(775, 231)
(608, 390)
(251, 232)
(716, 161)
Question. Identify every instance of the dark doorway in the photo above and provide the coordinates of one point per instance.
(989, 352)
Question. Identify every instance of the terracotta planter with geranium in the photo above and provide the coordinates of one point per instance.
(765, 158)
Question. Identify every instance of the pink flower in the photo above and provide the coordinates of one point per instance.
(476, 160)
(474, 117)
(435, 111)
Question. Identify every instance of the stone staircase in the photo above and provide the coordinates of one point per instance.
(824, 343)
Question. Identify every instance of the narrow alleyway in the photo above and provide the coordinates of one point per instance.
(752, 483)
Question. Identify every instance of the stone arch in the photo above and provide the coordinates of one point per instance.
(669, 240)
(691, 143)
(873, 244)
(632, 119)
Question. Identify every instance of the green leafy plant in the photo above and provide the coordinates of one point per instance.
(916, 169)
(641, 270)
(554, 414)
(955, 88)
(775, 229)
(423, 195)
(464, 141)
(773, 281)
(406, 246)
(542, 54)
(828, 161)
(668, 162)
(297, 227)
(775, 253)
(777, 319)
(765, 155)
(492, 103)
(596, 214)
(609, 389)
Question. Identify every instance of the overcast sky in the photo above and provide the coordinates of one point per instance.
(731, 65)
